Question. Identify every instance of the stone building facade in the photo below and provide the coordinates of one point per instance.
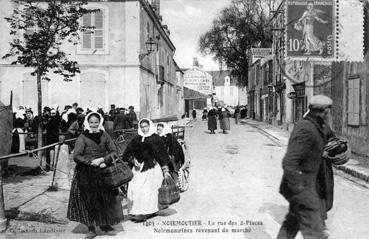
(112, 71)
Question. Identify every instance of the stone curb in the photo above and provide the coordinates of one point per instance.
(353, 172)
(346, 169)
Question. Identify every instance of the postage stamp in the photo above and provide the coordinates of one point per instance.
(310, 29)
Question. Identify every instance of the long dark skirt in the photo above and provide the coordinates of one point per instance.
(90, 202)
(225, 124)
(212, 122)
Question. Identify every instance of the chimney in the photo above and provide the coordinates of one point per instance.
(195, 62)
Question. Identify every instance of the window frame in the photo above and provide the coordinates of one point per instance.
(350, 119)
(96, 51)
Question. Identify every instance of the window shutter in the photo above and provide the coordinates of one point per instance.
(354, 102)
(99, 30)
(86, 36)
(350, 109)
(356, 92)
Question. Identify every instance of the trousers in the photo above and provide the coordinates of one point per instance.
(307, 220)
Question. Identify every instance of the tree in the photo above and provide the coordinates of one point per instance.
(39, 28)
(239, 27)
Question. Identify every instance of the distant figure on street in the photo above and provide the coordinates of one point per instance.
(243, 112)
(64, 118)
(224, 123)
(307, 182)
(75, 106)
(52, 128)
(18, 140)
(212, 120)
(121, 120)
(236, 115)
(205, 114)
(112, 112)
(133, 117)
(73, 129)
(194, 114)
(90, 201)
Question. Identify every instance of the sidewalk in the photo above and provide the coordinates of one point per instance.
(357, 167)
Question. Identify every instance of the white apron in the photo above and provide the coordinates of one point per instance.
(143, 191)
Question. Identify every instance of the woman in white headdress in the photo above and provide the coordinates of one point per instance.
(90, 201)
(173, 147)
(224, 122)
(149, 159)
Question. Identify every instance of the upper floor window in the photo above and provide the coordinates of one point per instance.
(95, 41)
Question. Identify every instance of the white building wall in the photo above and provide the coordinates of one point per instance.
(117, 69)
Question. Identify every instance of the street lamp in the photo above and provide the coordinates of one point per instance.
(150, 47)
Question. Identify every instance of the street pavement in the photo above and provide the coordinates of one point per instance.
(233, 193)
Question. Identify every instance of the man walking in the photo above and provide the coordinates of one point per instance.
(133, 117)
(121, 120)
(302, 182)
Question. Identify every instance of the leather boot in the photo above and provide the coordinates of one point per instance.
(109, 230)
(91, 233)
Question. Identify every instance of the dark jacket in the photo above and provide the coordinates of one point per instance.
(52, 130)
(224, 114)
(212, 119)
(303, 161)
(325, 182)
(175, 149)
(91, 202)
(132, 118)
(148, 152)
(121, 121)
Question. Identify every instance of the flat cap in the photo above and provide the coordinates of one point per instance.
(320, 102)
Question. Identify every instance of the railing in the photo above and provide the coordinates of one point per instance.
(27, 152)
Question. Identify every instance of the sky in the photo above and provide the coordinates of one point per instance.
(187, 20)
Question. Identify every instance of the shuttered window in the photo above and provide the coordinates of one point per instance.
(93, 40)
(354, 101)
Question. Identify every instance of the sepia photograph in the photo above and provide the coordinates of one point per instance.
(184, 119)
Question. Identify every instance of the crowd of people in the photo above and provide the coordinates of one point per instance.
(154, 154)
(66, 124)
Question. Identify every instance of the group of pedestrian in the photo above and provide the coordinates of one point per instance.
(154, 154)
(67, 124)
(221, 113)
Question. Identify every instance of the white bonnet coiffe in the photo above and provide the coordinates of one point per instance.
(152, 129)
(86, 125)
